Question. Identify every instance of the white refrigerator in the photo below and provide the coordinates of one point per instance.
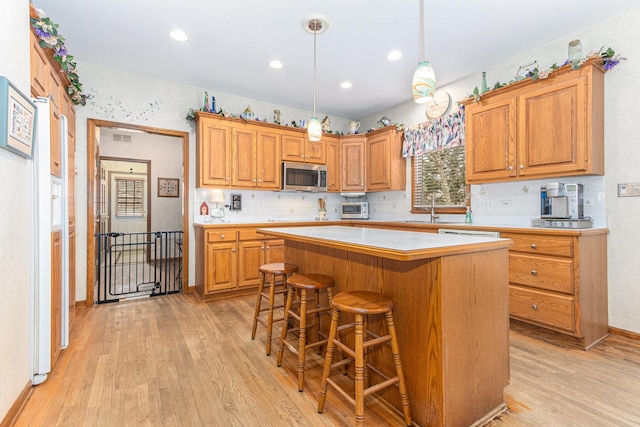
(50, 214)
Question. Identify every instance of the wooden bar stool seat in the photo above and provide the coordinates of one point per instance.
(278, 272)
(307, 287)
(362, 304)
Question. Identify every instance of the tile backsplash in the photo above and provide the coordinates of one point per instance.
(514, 203)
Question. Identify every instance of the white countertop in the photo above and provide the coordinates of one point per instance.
(395, 240)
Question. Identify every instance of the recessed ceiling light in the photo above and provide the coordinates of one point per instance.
(394, 55)
(276, 64)
(179, 35)
(345, 85)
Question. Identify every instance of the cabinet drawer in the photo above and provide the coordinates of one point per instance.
(554, 274)
(541, 307)
(250, 234)
(221, 236)
(548, 245)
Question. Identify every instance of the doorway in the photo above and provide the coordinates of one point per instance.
(107, 172)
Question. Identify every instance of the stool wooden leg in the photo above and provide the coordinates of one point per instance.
(302, 340)
(272, 295)
(395, 351)
(285, 325)
(258, 302)
(359, 369)
(335, 315)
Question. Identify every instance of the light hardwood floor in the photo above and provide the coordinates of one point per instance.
(175, 361)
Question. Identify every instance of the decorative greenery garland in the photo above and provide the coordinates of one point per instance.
(609, 60)
(47, 32)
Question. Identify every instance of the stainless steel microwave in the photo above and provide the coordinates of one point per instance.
(304, 177)
(354, 210)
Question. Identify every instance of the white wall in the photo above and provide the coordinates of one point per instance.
(165, 156)
(131, 98)
(622, 152)
(16, 225)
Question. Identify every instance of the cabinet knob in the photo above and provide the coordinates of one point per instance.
(534, 273)
(534, 246)
(510, 167)
(534, 306)
(233, 250)
(222, 236)
(227, 178)
(521, 166)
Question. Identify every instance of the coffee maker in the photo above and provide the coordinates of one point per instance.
(564, 201)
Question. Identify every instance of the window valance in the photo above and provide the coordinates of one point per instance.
(434, 135)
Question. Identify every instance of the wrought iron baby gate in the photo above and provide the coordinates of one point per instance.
(132, 265)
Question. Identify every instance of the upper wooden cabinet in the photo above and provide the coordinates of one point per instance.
(535, 129)
(213, 138)
(235, 153)
(353, 163)
(239, 154)
(296, 147)
(385, 166)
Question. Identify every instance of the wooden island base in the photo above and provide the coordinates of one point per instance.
(451, 315)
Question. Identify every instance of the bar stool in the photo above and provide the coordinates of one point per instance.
(276, 270)
(363, 304)
(303, 284)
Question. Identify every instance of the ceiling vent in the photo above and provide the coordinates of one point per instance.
(117, 137)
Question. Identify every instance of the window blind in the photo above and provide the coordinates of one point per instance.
(441, 173)
(129, 197)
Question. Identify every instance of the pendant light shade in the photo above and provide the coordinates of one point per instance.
(424, 83)
(315, 25)
(314, 129)
(424, 78)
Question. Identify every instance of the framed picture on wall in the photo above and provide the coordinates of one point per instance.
(168, 187)
(17, 120)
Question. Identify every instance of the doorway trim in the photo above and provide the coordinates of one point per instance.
(93, 126)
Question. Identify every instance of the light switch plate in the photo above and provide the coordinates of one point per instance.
(629, 189)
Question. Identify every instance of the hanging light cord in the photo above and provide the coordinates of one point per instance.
(315, 29)
(422, 57)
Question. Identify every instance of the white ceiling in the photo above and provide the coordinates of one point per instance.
(231, 42)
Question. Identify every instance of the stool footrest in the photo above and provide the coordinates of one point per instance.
(341, 391)
(381, 385)
(345, 348)
(376, 341)
(275, 319)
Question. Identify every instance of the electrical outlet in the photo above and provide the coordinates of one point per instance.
(589, 202)
(629, 189)
(505, 203)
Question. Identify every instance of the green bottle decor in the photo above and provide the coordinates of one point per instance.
(205, 105)
(485, 88)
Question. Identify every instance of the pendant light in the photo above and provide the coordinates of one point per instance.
(315, 25)
(424, 79)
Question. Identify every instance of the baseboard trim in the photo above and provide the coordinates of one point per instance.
(81, 304)
(191, 288)
(624, 333)
(11, 416)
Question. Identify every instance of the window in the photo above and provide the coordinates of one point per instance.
(129, 197)
(442, 174)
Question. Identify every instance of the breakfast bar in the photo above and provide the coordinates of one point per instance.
(451, 299)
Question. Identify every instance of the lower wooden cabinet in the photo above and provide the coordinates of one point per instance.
(560, 283)
(227, 260)
(56, 296)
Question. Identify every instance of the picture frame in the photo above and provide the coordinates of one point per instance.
(18, 115)
(168, 187)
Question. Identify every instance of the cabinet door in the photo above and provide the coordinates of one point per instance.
(56, 295)
(315, 152)
(72, 274)
(353, 161)
(39, 69)
(214, 150)
(491, 145)
(56, 149)
(243, 168)
(55, 90)
(333, 166)
(251, 258)
(268, 160)
(293, 147)
(378, 165)
(220, 266)
(274, 251)
(552, 129)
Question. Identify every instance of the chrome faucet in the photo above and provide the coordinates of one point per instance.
(433, 209)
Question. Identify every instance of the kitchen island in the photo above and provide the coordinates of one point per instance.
(451, 310)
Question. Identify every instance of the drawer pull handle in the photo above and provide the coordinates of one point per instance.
(222, 236)
(534, 306)
(534, 246)
(534, 273)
